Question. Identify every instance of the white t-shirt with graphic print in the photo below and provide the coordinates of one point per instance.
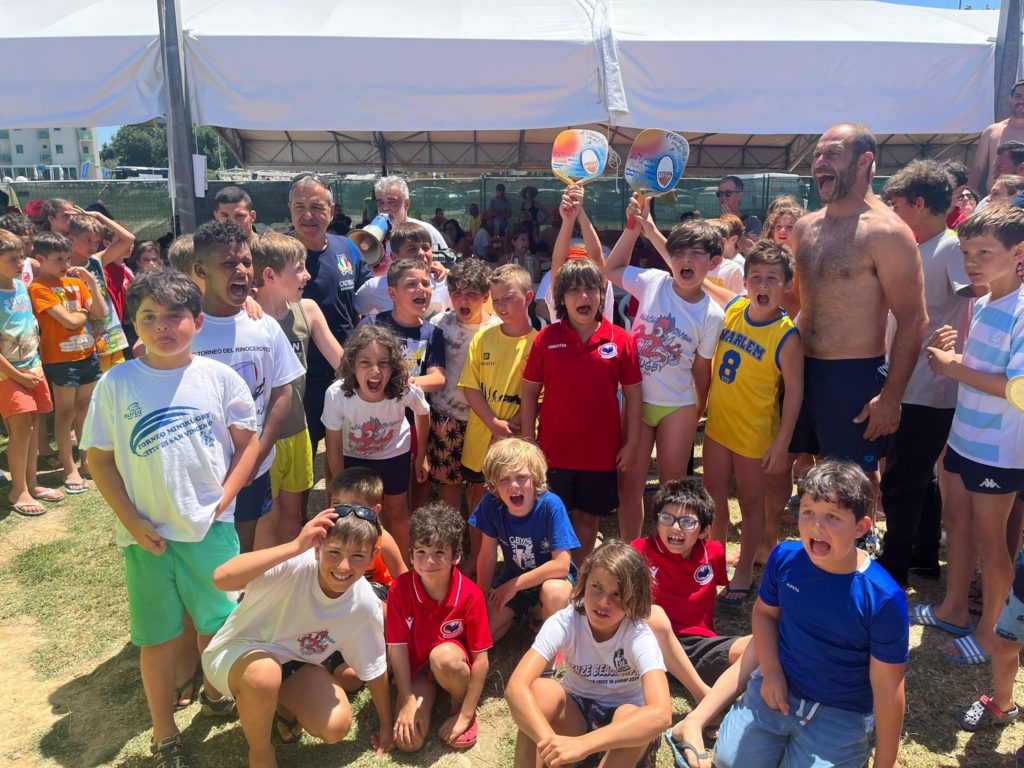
(609, 672)
(669, 333)
(169, 434)
(286, 613)
(372, 430)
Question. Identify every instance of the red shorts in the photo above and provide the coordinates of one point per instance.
(16, 399)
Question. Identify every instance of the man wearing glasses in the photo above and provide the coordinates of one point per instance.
(730, 195)
(335, 274)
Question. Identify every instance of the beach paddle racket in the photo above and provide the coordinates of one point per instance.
(655, 164)
(579, 156)
(1015, 392)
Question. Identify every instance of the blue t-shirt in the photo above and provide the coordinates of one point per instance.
(335, 275)
(831, 624)
(526, 542)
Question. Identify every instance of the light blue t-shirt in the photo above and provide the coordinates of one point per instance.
(526, 542)
(19, 331)
(832, 624)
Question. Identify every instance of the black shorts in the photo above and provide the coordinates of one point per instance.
(255, 500)
(524, 600)
(331, 663)
(596, 493)
(835, 391)
(981, 478)
(709, 655)
(394, 471)
(313, 405)
(471, 475)
(76, 374)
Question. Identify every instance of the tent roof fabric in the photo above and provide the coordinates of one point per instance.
(486, 84)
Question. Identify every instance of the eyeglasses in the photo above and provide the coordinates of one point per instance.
(666, 520)
(965, 196)
(363, 513)
(316, 178)
(726, 193)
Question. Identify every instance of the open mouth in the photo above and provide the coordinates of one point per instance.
(763, 300)
(686, 273)
(820, 548)
(516, 499)
(239, 292)
(826, 183)
(374, 385)
(584, 309)
(339, 577)
(598, 613)
(465, 312)
(676, 540)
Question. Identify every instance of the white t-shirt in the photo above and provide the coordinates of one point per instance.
(728, 275)
(669, 333)
(286, 613)
(258, 351)
(372, 430)
(947, 298)
(545, 290)
(986, 428)
(372, 296)
(609, 672)
(169, 434)
(450, 401)
(481, 242)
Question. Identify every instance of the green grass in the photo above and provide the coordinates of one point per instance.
(73, 589)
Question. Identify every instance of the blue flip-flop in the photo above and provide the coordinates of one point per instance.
(924, 615)
(679, 751)
(970, 652)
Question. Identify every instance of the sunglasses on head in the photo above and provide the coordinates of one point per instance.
(314, 177)
(363, 513)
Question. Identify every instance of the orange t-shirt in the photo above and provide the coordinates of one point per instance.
(57, 343)
(378, 571)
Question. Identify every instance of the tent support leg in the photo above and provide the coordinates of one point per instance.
(180, 138)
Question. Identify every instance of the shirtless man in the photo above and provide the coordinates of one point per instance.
(1011, 129)
(856, 261)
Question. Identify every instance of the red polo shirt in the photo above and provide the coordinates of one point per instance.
(580, 426)
(685, 587)
(418, 621)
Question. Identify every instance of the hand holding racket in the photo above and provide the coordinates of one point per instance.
(655, 164)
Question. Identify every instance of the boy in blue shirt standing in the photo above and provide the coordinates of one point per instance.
(832, 636)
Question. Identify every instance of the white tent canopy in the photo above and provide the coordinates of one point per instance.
(486, 84)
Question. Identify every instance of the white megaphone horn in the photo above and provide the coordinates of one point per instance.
(370, 239)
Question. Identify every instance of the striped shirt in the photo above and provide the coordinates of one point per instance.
(988, 429)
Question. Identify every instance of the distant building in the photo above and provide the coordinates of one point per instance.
(49, 153)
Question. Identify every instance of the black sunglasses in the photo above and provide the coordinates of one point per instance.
(363, 513)
(727, 193)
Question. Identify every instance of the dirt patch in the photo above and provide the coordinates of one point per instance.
(40, 530)
(25, 706)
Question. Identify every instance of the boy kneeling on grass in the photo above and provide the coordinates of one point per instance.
(437, 633)
(171, 439)
(304, 601)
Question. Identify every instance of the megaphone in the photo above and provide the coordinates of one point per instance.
(370, 239)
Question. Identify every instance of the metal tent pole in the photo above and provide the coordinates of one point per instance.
(180, 139)
(1008, 52)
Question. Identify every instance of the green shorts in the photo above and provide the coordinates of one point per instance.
(161, 588)
(653, 414)
(292, 469)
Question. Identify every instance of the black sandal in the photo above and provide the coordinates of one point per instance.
(290, 726)
(169, 753)
(192, 685)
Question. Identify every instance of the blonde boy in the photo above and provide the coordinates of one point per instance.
(493, 375)
(279, 274)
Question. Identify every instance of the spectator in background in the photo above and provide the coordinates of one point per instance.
(340, 224)
(1005, 188)
(56, 215)
(458, 240)
(482, 239)
(958, 174)
(1009, 162)
(34, 211)
(438, 220)
(392, 196)
(235, 204)
(501, 210)
(967, 202)
(995, 137)
(474, 219)
(531, 213)
(730, 196)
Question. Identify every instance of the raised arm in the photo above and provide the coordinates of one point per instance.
(120, 247)
(570, 209)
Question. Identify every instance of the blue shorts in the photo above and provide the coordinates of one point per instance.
(835, 391)
(982, 478)
(599, 715)
(1011, 621)
(592, 491)
(812, 735)
(255, 500)
(394, 471)
(76, 374)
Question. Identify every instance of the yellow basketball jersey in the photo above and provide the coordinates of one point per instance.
(743, 406)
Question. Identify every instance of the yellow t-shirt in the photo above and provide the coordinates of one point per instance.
(743, 406)
(494, 366)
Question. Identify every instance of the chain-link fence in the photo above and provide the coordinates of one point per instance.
(145, 207)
